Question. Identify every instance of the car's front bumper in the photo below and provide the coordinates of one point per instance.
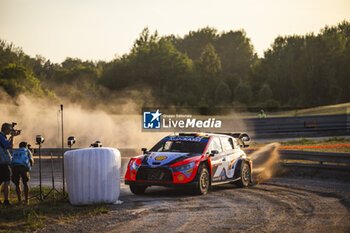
(158, 183)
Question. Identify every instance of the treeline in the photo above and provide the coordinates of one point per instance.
(204, 68)
(305, 71)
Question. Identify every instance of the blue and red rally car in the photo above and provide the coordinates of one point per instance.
(197, 160)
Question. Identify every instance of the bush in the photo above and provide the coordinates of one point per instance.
(271, 105)
(243, 93)
(265, 93)
(222, 94)
(16, 80)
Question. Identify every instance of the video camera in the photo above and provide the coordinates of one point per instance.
(14, 131)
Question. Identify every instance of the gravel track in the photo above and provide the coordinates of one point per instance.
(292, 204)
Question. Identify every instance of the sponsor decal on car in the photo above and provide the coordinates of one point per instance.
(160, 158)
(180, 177)
(190, 139)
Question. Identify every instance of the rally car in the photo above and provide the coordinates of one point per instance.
(197, 160)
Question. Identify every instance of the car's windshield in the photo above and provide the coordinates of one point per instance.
(181, 144)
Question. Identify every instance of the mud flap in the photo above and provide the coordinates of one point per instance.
(251, 170)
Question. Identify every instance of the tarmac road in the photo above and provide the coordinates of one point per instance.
(284, 204)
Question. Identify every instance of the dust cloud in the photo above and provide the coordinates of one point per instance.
(235, 123)
(265, 162)
(123, 130)
(40, 117)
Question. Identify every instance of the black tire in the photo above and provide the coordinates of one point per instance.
(203, 184)
(245, 179)
(138, 189)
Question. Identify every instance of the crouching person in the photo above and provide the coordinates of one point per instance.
(22, 162)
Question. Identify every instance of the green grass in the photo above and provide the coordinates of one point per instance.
(299, 142)
(18, 218)
(312, 142)
(321, 110)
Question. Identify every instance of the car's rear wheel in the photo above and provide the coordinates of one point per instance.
(138, 189)
(245, 176)
(203, 184)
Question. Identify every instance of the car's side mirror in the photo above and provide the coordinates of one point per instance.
(144, 150)
(213, 153)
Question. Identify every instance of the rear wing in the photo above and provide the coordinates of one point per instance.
(242, 137)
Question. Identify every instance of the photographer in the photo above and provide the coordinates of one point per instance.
(5, 157)
(22, 162)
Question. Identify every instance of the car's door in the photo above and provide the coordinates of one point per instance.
(229, 159)
(216, 159)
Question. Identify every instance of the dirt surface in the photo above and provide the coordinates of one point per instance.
(292, 204)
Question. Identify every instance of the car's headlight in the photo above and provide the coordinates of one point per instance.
(184, 167)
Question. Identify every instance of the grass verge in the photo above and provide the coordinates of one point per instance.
(311, 142)
(19, 218)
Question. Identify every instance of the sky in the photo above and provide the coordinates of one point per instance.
(105, 29)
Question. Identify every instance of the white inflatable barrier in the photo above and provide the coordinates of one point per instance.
(92, 175)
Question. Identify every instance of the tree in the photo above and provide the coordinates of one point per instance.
(243, 93)
(202, 68)
(209, 62)
(195, 41)
(236, 53)
(16, 80)
(265, 93)
(306, 71)
(209, 67)
(232, 80)
(145, 39)
(156, 64)
(223, 94)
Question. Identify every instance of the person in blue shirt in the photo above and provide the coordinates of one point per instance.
(22, 162)
(5, 145)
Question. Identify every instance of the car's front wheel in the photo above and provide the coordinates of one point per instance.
(203, 184)
(138, 189)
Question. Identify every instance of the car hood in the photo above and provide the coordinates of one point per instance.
(155, 159)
